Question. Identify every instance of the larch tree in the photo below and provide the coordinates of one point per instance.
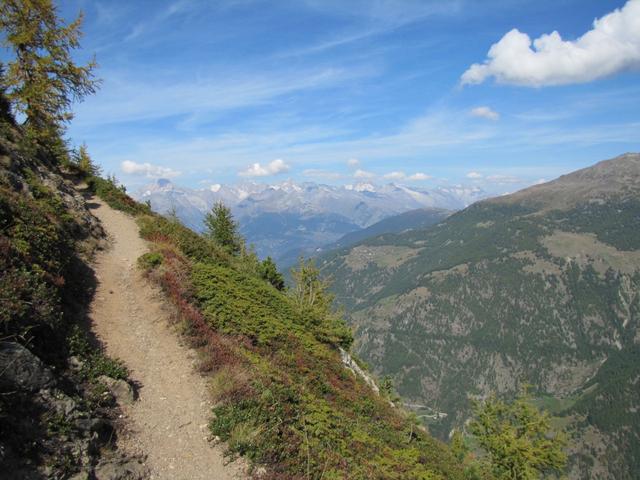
(5, 106)
(310, 290)
(222, 228)
(311, 294)
(84, 161)
(518, 440)
(41, 79)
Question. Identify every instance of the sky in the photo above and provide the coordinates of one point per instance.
(498, 94)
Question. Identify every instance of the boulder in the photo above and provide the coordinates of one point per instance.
(75, 363)
(22, 370)
(120, 469)
(56, 400)
(120, 389)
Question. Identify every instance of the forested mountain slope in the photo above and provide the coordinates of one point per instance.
(539, 287)
(418, 219)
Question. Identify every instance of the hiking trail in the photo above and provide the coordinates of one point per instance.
(169, 422)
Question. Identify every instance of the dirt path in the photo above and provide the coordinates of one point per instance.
(168, 422)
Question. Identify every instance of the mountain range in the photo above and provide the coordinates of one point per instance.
(289, 219)
(540, 287)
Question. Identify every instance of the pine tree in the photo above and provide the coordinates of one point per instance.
(269, 271)
(222, 228)
(518, 439)
(42, 79)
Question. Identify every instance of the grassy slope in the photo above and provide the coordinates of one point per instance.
(284, 399)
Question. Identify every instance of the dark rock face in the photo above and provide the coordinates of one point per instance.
(22, 370)
(46, 419)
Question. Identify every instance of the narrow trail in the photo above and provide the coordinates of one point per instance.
(168, 422)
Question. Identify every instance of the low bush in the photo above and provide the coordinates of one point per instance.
(150, 260)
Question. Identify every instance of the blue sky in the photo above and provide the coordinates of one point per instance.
(340, 91)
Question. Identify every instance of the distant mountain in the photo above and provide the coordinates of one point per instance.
(288, 219)
(418, 219)
(539, 287)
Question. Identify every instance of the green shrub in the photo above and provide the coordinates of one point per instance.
(98, 364)
(150, 260)
(194, 246)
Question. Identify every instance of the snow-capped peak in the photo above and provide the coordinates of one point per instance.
(160, 185)
(360, 187)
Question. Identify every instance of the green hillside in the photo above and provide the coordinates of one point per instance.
(539, 287)
(420, 218)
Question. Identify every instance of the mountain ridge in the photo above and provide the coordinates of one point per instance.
(590, 183)
(412, 220)
(289, 219)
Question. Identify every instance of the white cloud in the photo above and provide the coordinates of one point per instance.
(353, 162)
(611, 46)
(485, 112)
(419, 176)
(148, 170)
(395, 175)
(363, 174)
(272, 168)
(474, 175)
(497, 178)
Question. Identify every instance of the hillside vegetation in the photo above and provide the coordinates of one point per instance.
(284, 398)
(538, 287)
